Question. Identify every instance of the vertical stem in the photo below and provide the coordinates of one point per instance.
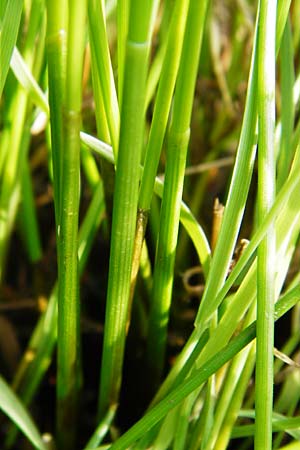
(29, 229)
(236, 201)
(57, 14)
(266, 250)
(123, 14)
(287, 77)
(125, 201)
(178, 139)
(68, 164)
(159, 125)
(100, 51)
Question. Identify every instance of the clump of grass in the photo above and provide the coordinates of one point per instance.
(125, 90)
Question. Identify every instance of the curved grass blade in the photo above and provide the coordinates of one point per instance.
(13, 408)
(8, 36)
(26, 79)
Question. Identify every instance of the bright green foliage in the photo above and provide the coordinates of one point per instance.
(120, 122)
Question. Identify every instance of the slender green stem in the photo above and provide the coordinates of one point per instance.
(69, 373)
(266, 250)
(123, 15)
(178, 138)
(100, 51)
(287, 105)
(101, 429)
(57, 15)
(103, 132)
(29, 229)
(125, 202)
(163, 102)
(231, 413)
(234, 377)
(159, 125)
(165, 256)
(236, 201)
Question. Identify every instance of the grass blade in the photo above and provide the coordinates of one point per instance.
(13, 408)
(10, 23)
(99, 44)
(26, 79)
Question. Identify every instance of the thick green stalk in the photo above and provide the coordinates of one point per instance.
(68, 356)
(125, 202)
(267, 248)
(57, 24)
(178, 139)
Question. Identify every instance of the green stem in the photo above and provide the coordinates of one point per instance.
(236, 202)
(267, 248)
(68, 356)
(56, 55)
(100, 50)
(28, 218)
(287, 76)
(159, 125)
(178, 139)
(123, 15)
(125, 202)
